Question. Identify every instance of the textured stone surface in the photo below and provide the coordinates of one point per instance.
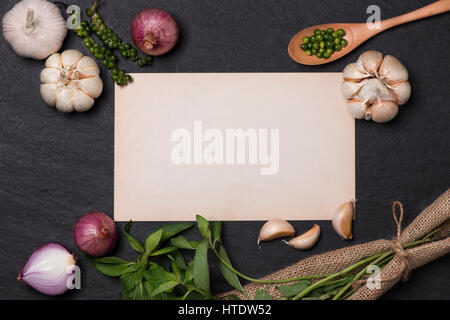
(54, 167)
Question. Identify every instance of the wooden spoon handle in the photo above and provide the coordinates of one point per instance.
(427, 11)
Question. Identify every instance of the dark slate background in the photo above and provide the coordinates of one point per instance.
(55, 167)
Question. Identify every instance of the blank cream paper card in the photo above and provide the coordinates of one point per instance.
(232, 146)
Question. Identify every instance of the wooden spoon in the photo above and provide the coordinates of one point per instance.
(357, 33)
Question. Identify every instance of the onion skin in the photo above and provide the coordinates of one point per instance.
(95, 234)
(154, 31)
(48, 269)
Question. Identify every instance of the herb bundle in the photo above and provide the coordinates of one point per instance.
(145, 279)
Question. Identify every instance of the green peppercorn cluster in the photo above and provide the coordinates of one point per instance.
(111, 41)
(324, 42)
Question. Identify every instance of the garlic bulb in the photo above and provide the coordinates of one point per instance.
(70, 81)
(343, 218)
(375, 86)
(34, 28)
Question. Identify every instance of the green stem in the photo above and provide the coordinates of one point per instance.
(267, 281)
(358, 276)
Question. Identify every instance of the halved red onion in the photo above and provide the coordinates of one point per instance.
(154, 31)
(95, 234)
(49, 269)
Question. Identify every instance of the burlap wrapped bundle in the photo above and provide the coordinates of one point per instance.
(403, 261)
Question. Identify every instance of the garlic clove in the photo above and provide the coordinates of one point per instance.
(70, 57)
(353, 72)
(402, 92)
(370, 61)
(50, 75)
(54, 61)
(307, 240)
(91, 86)
(48, 93)
(384, 110)
(349, 88)
(343, 218)
(274, 229)
(88, 67)
(357, 108)
(392, 70)
(64, 99)
(81, 101)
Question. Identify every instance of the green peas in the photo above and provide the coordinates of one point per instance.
(115, 77)
(124, 54)
(105, 62)
(319, 55)
(121, 73)
(326, 55)
(309, 45)
(330, 30)
(89, 12)
(91, 50)
(319, 38)
(134, 58)
(112, 58)
(304, 46)
(337, 47)
(343, 43)
(308, 52)
(87, 43)
(306, 39)
(314, 51)
(337, 40)
(330, 51)
(316, 45)
(115, 71)
(322, 44)
(120, 82)
(127, 46)
(317, 32)
(340, 32)
(128, 78)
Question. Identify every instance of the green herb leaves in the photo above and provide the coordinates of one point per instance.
(291, 290)
(135, 244)
(201, 267)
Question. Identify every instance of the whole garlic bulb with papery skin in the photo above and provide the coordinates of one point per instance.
(375, 86)
(70, 81)
(34, 28)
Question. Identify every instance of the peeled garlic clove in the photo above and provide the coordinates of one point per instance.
(402, 92)
(357, 108)
(342, 220)
(392, 70)
(353, 72)
(384, 110)
(349, 88)
(370, 61)
(307, 240)
(274, 229)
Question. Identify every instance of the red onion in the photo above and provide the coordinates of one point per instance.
(95, 234)
(50, 269)
(154, 31)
